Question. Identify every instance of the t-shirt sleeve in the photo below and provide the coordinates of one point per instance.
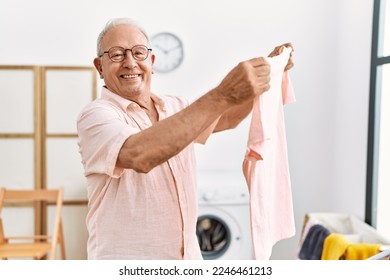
(202, 138)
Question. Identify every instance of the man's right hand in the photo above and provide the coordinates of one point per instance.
(245, 81)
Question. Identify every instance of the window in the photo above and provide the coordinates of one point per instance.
(378, 152)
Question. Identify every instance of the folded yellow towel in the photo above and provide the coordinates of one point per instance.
(334, 248)
(361, 251)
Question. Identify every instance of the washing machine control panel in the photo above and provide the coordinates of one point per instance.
(208, 196)
(223, 196)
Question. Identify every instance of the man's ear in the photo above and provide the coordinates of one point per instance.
(152, 58)
(98, 65)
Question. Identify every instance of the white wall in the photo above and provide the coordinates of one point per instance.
(326, 127)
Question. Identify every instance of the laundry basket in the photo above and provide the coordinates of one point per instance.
(333, 235)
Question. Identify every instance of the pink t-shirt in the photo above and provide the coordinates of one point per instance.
(135, 215)
(265, 166)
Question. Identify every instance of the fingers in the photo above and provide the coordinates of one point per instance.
(260, 64)
(289, 65)
(275, 52)
(287, 45)
(278, 49)
(261, 70)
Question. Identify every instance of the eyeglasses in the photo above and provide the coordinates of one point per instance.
(118, 54)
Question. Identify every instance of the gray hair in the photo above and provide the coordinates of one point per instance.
(115, 22)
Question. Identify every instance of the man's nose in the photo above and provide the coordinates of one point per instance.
(129, 60)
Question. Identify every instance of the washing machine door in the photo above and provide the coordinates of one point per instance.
(214, 236)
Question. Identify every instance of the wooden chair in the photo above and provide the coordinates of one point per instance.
(38, 246)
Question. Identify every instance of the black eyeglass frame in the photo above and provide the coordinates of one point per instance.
(125, 53)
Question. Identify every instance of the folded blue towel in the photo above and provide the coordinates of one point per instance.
(314, 242)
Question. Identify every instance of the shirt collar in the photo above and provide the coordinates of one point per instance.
(124, 103)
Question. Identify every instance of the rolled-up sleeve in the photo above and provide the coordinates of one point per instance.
(102, 133)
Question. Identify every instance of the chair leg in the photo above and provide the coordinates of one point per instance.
(62, 242)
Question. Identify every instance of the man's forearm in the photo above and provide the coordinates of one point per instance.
(234, 116)
(155, 145)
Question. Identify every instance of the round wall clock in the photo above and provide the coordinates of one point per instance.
(169, 52)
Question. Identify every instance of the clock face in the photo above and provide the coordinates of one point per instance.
(168, 50)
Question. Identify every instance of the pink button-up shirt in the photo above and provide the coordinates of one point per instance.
(135, 215)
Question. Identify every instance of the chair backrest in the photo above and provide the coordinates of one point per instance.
(50, 196)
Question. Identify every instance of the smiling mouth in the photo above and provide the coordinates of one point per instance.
(133, 76)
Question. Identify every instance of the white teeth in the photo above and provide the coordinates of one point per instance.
(130, 76)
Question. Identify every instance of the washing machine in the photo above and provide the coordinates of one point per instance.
(223, 226)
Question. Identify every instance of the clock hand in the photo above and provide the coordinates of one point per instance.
(174, 48)
(161, 49)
